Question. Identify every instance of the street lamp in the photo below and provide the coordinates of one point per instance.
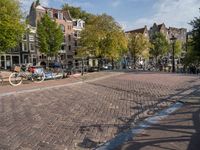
(173, 40)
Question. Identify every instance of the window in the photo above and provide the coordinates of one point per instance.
(69, 37)
(8, 62)
(69, 47)
(24, 47)
(56, 15)
(25, 59)
(60, 15)
(2, 62)
(69, 27)
(31, 47)
(24, 37)
(62, 27)
(69, 56)
(80, 24)
(75, 43)
(34, 59)
(62, 57)
(16, 49)
(15, 60)
(75, 34)
(31, 37)
(62, 47)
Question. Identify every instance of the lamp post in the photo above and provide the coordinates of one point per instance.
(173, 40)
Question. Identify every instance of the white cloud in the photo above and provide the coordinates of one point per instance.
(115, 3)
(177, 13)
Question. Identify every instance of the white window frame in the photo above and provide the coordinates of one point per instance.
(32, 50)
(31, 37)
(23, 47)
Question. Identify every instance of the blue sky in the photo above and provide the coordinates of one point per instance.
(132, 14)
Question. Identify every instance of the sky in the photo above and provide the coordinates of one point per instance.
(133, 14)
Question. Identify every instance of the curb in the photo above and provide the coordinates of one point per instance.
(57, 86)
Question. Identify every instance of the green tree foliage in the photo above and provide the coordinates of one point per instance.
(50, 36)
(177, 48)
(138, 46)
(196, 37)
(191, 58)
(77, 12)
(160, 45)
(37, 2)
(11, 26)
(103, 38)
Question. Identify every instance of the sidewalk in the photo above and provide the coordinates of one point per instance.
(30, 86)
(179, 131)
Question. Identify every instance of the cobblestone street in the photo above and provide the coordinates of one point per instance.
(85, 115)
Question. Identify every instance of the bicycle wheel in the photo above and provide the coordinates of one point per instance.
(38, 78)
(59, 74)
(15, 79)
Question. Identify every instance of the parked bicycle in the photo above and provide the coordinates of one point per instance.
(35, 74)
(54, 73)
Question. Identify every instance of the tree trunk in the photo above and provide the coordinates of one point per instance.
(134, 61)
(112, 64)
(99, 63)
(156, 62)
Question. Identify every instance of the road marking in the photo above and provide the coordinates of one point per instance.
(128, 135)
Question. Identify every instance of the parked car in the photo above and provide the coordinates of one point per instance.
(93, 69)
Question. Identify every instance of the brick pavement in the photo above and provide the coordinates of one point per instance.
(85, 115)
(179, 131)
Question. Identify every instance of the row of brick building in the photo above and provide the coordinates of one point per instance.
(28, 52)
(179, 33)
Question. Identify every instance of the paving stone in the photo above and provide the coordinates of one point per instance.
(85, 115)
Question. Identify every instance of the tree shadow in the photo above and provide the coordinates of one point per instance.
(170, 135)
(138, 116)
(195, 140)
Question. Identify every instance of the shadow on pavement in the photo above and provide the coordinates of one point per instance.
(184, 133)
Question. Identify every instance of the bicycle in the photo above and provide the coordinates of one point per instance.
(58, 73)
(54, 73)
(30, 73)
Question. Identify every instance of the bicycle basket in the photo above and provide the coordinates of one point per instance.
(17, 69)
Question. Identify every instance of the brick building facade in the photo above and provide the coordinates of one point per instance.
(62, 18)
(179, 33)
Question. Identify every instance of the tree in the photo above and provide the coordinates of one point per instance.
(196, 37)
(160, 46)
(37, 2)
(11, 26)
(77, 12)
(103, 38)
(50, 36)
(138, 46)
(177, 48)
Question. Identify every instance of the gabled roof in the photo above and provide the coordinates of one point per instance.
(140, 30)
(66, 14)
(160, 26)
(39, 7)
